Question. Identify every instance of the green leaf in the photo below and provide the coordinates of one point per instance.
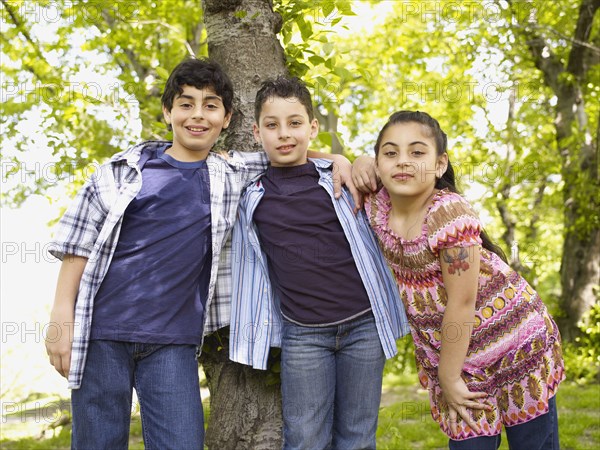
(328, 9)
(305, 29)
(316, 60)
(162, 73)
(322, 81)
(343, 73)
(287, 37)
(324, 137)
(240, 14)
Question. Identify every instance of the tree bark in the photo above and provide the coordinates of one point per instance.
(248, 49)
(242, 36)
(245, 410)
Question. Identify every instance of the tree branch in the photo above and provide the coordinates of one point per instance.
(585, 20)
(531, 230)
(196, 41)
(141, 71)
(545, 60)
(34, 44)
(13, 15)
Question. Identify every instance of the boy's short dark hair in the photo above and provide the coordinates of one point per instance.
(283, 87)
(199, 73)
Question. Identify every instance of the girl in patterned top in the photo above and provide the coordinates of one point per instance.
(486, 347)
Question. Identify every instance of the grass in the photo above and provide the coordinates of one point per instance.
(404, 421)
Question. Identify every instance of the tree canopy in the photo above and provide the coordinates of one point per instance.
(515, 84)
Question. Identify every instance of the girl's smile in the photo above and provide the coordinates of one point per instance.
(408, 160)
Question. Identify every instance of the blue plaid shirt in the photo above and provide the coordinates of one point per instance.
(255, 312)
(90, 228)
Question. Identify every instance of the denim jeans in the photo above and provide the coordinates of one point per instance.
(165, 378)
(540, 433)
(331, 385)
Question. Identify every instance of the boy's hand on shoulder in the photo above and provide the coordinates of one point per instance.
(364, 176)
(342, 175)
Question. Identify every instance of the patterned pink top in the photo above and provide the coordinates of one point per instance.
(514, 353)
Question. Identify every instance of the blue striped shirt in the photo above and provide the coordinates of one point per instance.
(255, 311)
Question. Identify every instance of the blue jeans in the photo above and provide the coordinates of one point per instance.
(331, 385)
(165, 378)
(540, 433)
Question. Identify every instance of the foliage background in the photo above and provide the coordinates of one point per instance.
(81, 80)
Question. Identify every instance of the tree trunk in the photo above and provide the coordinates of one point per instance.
(248, 49)
(580, 265)
(579, 276)
(329, 121)
(245, 410)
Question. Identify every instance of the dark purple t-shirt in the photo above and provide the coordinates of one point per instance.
(310, 263)
(156, 286)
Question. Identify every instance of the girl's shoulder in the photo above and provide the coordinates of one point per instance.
(378, 205)
(444, 198)
(451, 221)
(447, 205)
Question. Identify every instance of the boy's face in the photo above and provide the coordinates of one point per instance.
(197, 118)
(285, 131)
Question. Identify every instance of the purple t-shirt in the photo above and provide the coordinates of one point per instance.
(310, 262)
(156, 286)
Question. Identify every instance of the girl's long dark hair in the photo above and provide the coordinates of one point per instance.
(447, 181)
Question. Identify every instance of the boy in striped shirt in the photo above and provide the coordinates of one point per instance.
(309, 277)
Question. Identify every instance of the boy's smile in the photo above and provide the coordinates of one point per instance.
(285, 131)
(197, 117)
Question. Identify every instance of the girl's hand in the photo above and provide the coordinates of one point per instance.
(459, 400)
(364, 175)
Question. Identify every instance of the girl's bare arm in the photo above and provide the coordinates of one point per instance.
(460, 271)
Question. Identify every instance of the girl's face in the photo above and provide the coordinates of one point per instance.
(407, 161)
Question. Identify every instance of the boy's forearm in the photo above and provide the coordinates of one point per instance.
(331, 156)
(59, 339)
(69, 278)
(342, 170)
